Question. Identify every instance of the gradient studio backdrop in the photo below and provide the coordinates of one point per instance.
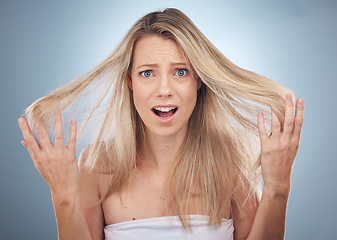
(47, 43)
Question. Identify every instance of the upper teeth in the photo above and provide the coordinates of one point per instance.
(164, 109)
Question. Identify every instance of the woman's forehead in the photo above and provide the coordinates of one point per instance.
(155, 49)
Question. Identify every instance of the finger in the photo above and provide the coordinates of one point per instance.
(72, 135)
(275, 125)
(59, 137)
(24, 143)
(262, 128)
(289, 116)
(299, 117)
(30, 141)
(43, 135)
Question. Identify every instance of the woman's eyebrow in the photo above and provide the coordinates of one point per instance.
(147, 65)
(156, 65)
(179, 64)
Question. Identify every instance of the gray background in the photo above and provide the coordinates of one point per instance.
(46, 43)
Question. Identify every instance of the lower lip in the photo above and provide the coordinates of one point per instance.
(165, 120)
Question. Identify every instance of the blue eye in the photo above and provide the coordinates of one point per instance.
(146, 73)
(182, 72)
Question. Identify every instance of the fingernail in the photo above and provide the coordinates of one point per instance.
(73, 122)
(300, 101)
(260, 115)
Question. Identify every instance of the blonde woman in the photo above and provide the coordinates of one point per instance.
(176, 154)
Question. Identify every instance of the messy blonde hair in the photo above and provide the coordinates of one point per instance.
(219, 156)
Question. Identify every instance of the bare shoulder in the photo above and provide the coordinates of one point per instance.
(100, 173)
(243, 220)
(90, 196)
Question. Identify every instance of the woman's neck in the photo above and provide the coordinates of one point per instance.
(159, 152)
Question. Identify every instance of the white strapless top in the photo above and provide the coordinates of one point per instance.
(164, 228)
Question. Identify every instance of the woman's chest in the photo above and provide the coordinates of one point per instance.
(147, 196)
(141, 198)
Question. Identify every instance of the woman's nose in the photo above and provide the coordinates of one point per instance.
(164, 87)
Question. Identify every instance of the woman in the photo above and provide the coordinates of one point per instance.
(175, 155)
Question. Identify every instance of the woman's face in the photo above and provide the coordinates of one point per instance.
(164, 88)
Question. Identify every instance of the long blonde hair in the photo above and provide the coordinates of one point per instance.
(220, 155)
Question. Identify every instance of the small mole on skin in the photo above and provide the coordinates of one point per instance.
(133, 219)
(125, 207)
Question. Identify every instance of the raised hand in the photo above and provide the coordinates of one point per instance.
(56, 162)
(279, 150)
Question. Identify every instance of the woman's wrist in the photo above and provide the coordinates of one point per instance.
(277, 191)
(64, 198)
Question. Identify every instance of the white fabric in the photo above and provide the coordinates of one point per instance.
(163, 228)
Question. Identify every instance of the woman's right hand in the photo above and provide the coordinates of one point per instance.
(56, 162)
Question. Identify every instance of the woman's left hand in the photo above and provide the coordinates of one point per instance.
(279, 150)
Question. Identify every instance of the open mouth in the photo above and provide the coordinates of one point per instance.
(164, 112)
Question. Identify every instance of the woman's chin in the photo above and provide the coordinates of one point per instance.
(166, 131)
